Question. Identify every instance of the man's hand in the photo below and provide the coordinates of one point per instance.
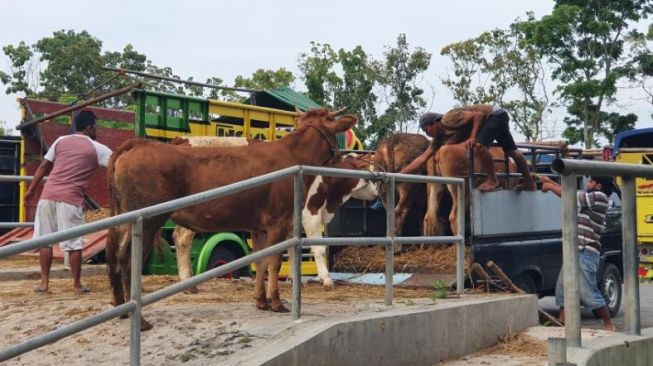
(470, 143)
(29, 193)
(545, 179)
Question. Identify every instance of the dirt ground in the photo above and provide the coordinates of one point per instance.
(212, 327)
(189, 329)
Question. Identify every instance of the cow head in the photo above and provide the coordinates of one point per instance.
(323, 118)
(365, 189)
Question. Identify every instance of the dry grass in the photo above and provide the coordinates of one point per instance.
(94, 215)
(372, 259)
(518, 345)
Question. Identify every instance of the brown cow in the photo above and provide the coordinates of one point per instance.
(392, 155)
(325, 195)
(143, 173)
(451, 160)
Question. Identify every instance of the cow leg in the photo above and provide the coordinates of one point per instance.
(150, 229)
(401, 211)
(319, 253)
(114, 241)
(453, 215)
(312, 223)
(259, 240)
(432, 224)
(276, 234)
(183, 239)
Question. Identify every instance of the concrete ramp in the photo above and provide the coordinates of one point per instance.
(420, 334)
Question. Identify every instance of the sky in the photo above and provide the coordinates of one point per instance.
(229, 38)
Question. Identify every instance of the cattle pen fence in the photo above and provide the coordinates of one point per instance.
(570, 169)
(135, 218)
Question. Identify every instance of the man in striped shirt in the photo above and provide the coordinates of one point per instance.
(592, 208)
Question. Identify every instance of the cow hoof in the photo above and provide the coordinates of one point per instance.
(328, 285)
(263, 305)
(191, 291)
(145, 325)
(280, 309)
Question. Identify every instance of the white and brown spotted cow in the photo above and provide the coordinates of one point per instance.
(324, 196)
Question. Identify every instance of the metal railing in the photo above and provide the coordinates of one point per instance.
(569, 169)
(136, 303)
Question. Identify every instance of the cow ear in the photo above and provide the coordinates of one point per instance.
(344, 123)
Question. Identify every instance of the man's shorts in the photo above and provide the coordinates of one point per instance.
(590, 295)
(496, 128)
(53, 216)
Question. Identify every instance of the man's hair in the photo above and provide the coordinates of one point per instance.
(607, 184)
(84, 119)
(429, 118)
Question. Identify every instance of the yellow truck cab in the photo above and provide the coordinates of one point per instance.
(636, 147)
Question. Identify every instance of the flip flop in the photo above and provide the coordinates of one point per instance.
(83, 290)
(38, 290)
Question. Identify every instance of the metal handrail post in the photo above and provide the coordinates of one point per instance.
(630, 256)
(460, 246)
(390, 247)
(297, 258)
(135, 292)
(570, 260)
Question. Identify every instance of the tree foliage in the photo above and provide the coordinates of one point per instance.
(341, 79)
(399, 73)
(497, 68)
(584, 41)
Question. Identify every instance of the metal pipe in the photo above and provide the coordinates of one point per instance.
(382, 240)
(219, 271)
(297, 233)
(570, 260)
(630, 255)
(460, 246)
(349, 173)
(146, 212)
(152, 76)
(65, 331)
(135, 293)
(11, 225)
(80, 105)
(390, 247)
(17, 178)
(585, 167)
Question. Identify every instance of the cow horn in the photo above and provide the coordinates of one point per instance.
(338, 112)
(299, 111)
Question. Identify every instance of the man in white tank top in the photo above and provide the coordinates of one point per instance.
(69, 164)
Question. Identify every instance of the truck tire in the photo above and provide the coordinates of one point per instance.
(525, 282)
(219, 256)
(610, 287)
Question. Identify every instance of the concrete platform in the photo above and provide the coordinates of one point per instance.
(422, 334)
(615, 350)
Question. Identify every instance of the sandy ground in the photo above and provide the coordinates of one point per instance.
(216, 326)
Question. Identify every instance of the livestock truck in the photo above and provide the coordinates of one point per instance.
(519, 231)
(161, 116)
(636, 147)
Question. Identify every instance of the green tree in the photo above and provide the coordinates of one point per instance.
(3, 128)
(584, 41)
(24, 71)
(498, 68)
(74, 63)
(320, 78)
(266, 79)
(398, 74)
(341, 79)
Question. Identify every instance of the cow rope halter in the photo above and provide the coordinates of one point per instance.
(335, 152)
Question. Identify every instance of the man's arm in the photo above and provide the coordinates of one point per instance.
(43, 170)
(418, 163)
(550, 186)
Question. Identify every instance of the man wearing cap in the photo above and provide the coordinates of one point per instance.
(69, 164)
(485, 125)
